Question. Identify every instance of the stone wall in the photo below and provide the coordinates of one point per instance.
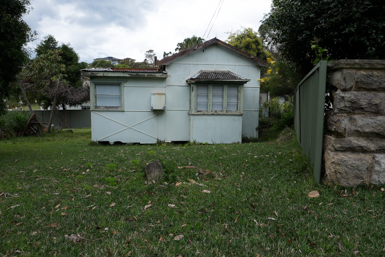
(354, 147)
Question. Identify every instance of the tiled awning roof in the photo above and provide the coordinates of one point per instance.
(216, 75)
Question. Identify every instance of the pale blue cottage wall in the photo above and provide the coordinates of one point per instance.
(214, 128)
(137, 123)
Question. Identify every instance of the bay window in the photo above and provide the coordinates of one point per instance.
(216, 99)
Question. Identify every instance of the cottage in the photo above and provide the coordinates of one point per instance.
(208, 93)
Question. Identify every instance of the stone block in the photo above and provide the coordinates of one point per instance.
(348, 169)
(357, 64)
(366, 126)
(337, 124)
(154, 171)
(343, 79)
(370, 80)
(359, 102)
(378, 175)
(354, 144)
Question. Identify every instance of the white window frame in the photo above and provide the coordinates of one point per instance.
(194, 98)
(94, 98)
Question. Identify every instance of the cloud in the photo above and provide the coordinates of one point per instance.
(128, 28)
(127, 14)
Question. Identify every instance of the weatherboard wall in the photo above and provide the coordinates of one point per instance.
(216, 128)
(136, 122)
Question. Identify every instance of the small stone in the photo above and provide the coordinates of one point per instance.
(154, 171)
(179, 237)
(73, 237)
(314, 194)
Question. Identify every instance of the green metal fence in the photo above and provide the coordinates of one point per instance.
(309, 116)
(73, 119)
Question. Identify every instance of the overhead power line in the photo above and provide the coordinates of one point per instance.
(212, 21)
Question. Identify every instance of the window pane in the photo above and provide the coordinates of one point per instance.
(202, 98)
(217, 98)
(232, 98)
(108, 95)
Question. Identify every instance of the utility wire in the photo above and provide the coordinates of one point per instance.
(215, 12)
(212, 25)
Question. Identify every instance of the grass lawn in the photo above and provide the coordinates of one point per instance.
(62, 195)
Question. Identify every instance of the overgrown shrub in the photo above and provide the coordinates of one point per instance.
(13, 123)
(280, 116)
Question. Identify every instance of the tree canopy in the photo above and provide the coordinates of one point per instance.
(15, 33)
(187, 43)
(353, 29)
(281, 79)
(149, 57)
(68, 57)
(128, 61)
(248, 41)
(102, 64)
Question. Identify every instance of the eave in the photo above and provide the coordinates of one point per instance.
(123, 74)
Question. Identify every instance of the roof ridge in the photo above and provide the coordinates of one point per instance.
(169, 59)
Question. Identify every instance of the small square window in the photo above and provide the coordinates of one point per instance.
(108, 96)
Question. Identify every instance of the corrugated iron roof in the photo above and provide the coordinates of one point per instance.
(216, 75)
(210, 42)
(122, 72)
(127, 70)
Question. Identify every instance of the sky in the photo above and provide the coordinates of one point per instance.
(128, 28)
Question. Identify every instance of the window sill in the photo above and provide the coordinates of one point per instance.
(108, 109)
(216, 113)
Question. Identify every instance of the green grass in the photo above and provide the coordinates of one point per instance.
(62, 184)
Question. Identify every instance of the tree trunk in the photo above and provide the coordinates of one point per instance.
(65, 116)
(53, 107)
(25, 97)
(52, 114)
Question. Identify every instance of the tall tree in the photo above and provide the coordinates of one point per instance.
(149, 57)
(49, 43)
(351, 29)
(248, 41)
(267, 34)
(188, 42)
(69, 89)
(46, 75)
(70, 60)
(128, 61)
(15, 33)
